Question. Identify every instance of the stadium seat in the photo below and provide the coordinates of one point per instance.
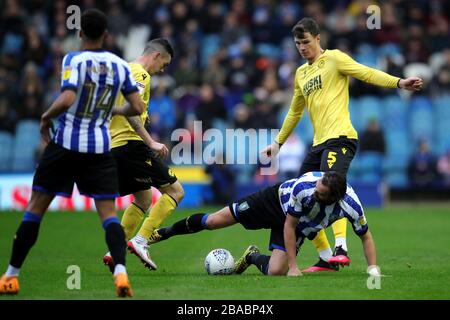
(370, 167)
(396, 179)
(421, 119)
(366, 54)
(305, 129)
(27, 134)
(27, 127)
(6, 143)
(370, 108)
(398, 144)
(395, 113)
(355, 110)
(389, 49)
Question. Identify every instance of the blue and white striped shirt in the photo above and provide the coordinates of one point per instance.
(296, 199)
(97, 77)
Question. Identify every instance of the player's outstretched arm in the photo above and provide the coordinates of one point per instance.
(60, 105)
(136, 123)
(290, 243)
(134, 107)
(370, 253)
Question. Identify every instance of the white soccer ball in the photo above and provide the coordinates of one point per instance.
(219, 261)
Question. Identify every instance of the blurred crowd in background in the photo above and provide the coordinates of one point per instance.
(234, 65)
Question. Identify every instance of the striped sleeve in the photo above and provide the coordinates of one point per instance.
(354, 212)
(70, 72)
(300, 190)
(129, 84)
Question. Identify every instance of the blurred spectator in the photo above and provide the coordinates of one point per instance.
(162, 114)
(186, 73)
(222, 182)
(242, 117)
(422, 167)
(441, 82)
(443, 168)
(372, 138)
(210, 108)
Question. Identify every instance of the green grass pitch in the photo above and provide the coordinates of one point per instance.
(413, 246)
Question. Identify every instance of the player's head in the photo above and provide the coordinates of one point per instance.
(157, 54)
(93, 25)
(331, 188)
(307, 38)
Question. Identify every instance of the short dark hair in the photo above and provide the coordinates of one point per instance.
(159, 44)
(337, 183)
(305, 25)
(93, 23)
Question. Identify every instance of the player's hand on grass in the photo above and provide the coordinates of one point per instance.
(412, 84)
(271, 150)
(45, 127)
(294, 272)
(160, 149)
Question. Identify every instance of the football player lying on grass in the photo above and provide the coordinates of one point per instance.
(294, 210)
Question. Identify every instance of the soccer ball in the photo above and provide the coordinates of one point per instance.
(219, 261)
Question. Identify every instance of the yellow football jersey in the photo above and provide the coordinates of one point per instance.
(322, 87)
(119, 128)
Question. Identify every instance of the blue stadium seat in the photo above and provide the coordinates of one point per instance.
(26, 141)
(396, 179)
(370, 107)
(441, 125)
(370, 166)
(305, 129)
(389, 49)
(6, 143)
(398, 144)
(421, 119)
(27, 130)
(268, 50)
(395, 113)
(355, 117)
(367, 55)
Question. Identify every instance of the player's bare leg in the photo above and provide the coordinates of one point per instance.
(195, 223)
(24, 240)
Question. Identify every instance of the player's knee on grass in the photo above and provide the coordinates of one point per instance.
(278, 265)
(277, 270)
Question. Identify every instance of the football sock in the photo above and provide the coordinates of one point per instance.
(159, 212)
(191, 224)
(115, 239)
(25, 238)
(322, 245)
(340, 231)
(341, 241)
(119, 268)
(141, 240)
(261, 261)
(131, 219)
(325, 254)
(12, 271)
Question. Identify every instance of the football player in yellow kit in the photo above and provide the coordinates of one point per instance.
(322, 86)
(139, 160)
